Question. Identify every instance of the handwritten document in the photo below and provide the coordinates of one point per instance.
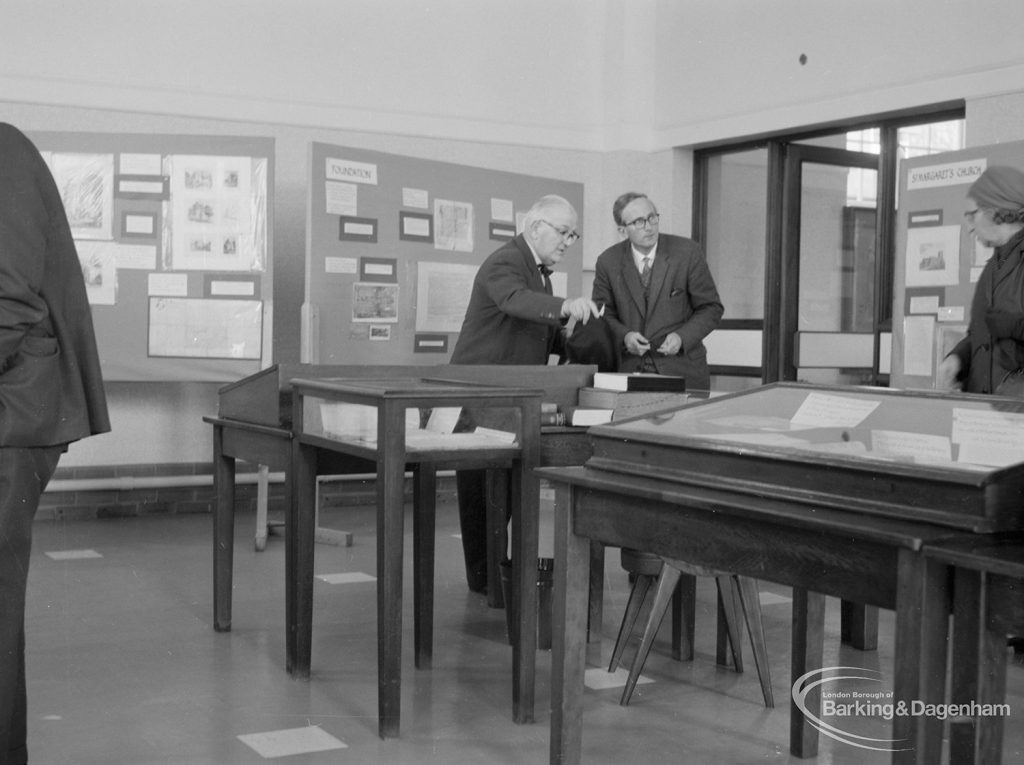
(826, 410)
(921, 447)
(988, 437)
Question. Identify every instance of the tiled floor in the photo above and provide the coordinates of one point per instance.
(125, 668)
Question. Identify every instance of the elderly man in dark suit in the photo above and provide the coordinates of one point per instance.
(51, 392)
(658, 295)
(513, 318)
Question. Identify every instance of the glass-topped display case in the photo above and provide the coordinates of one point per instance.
(951, 459)
(428, 413)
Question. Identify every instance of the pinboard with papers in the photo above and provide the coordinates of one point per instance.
(174, 234)
(393, 244)
(937, 260)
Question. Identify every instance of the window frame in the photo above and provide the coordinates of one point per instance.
(777, 145)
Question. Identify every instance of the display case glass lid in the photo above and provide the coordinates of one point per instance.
(959, 432)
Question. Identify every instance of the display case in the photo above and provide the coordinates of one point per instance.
(422, 415)
(954, 460)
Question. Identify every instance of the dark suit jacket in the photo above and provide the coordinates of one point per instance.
(510, 318)
(682, 299)
(51, 392)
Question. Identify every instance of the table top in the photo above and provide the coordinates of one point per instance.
(993, 553)
(248, 427)
(412, 388)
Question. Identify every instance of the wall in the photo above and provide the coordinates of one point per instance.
(732, 67)
(995, 119)
(601, 75)
(503, 72)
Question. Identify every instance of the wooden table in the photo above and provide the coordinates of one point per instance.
(983, 575)
(390, 451)
(818, 550)
(255, 425)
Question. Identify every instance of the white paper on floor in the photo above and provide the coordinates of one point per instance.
(599, 679)
(285, 743)
(350, 577)
(72, 554)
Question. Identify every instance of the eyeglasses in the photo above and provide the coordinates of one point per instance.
(650, 220)
(567, 234)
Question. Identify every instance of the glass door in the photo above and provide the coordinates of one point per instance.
(826, 323)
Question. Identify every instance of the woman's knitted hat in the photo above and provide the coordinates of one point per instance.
(1000, 187)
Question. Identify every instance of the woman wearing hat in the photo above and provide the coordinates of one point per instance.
(994, 347)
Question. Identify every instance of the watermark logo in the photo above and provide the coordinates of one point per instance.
(853, 701)
(840, 703)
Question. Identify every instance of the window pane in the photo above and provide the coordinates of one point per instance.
(933, 138)
(837, 253)
(917, 140)
(736, 224)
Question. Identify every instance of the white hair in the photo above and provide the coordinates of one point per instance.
(543, 208)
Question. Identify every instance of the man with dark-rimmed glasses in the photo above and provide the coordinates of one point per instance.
(658, 295)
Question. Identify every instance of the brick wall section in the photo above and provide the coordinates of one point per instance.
(113, 503)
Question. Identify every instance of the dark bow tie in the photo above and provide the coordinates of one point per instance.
(545, 271)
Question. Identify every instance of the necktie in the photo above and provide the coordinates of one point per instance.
(545, 275)
(645, 273)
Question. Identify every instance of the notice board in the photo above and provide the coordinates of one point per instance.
(174, 234)
(393, 244)
(937, 261)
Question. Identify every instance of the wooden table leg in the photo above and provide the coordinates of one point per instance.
(808, 651)
(596, 613)
(979, 676)
(991, 688)
(569, 616)
(423, 524)
(922, 618)
(223, 532)
(496, 495)
(858, 625)
(390, 521)
(300, 535)
(524, 491)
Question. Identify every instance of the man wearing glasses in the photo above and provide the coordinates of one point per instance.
(513, 318)
(658, 296)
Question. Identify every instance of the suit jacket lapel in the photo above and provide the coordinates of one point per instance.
(631, 278)
(534, 278)
(658, 273)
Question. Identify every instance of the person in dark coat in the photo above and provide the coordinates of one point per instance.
(658, 295)
(513, 318)
(994, 346)
(51, 391)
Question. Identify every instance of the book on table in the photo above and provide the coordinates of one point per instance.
(585, 417)
(639, 381)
